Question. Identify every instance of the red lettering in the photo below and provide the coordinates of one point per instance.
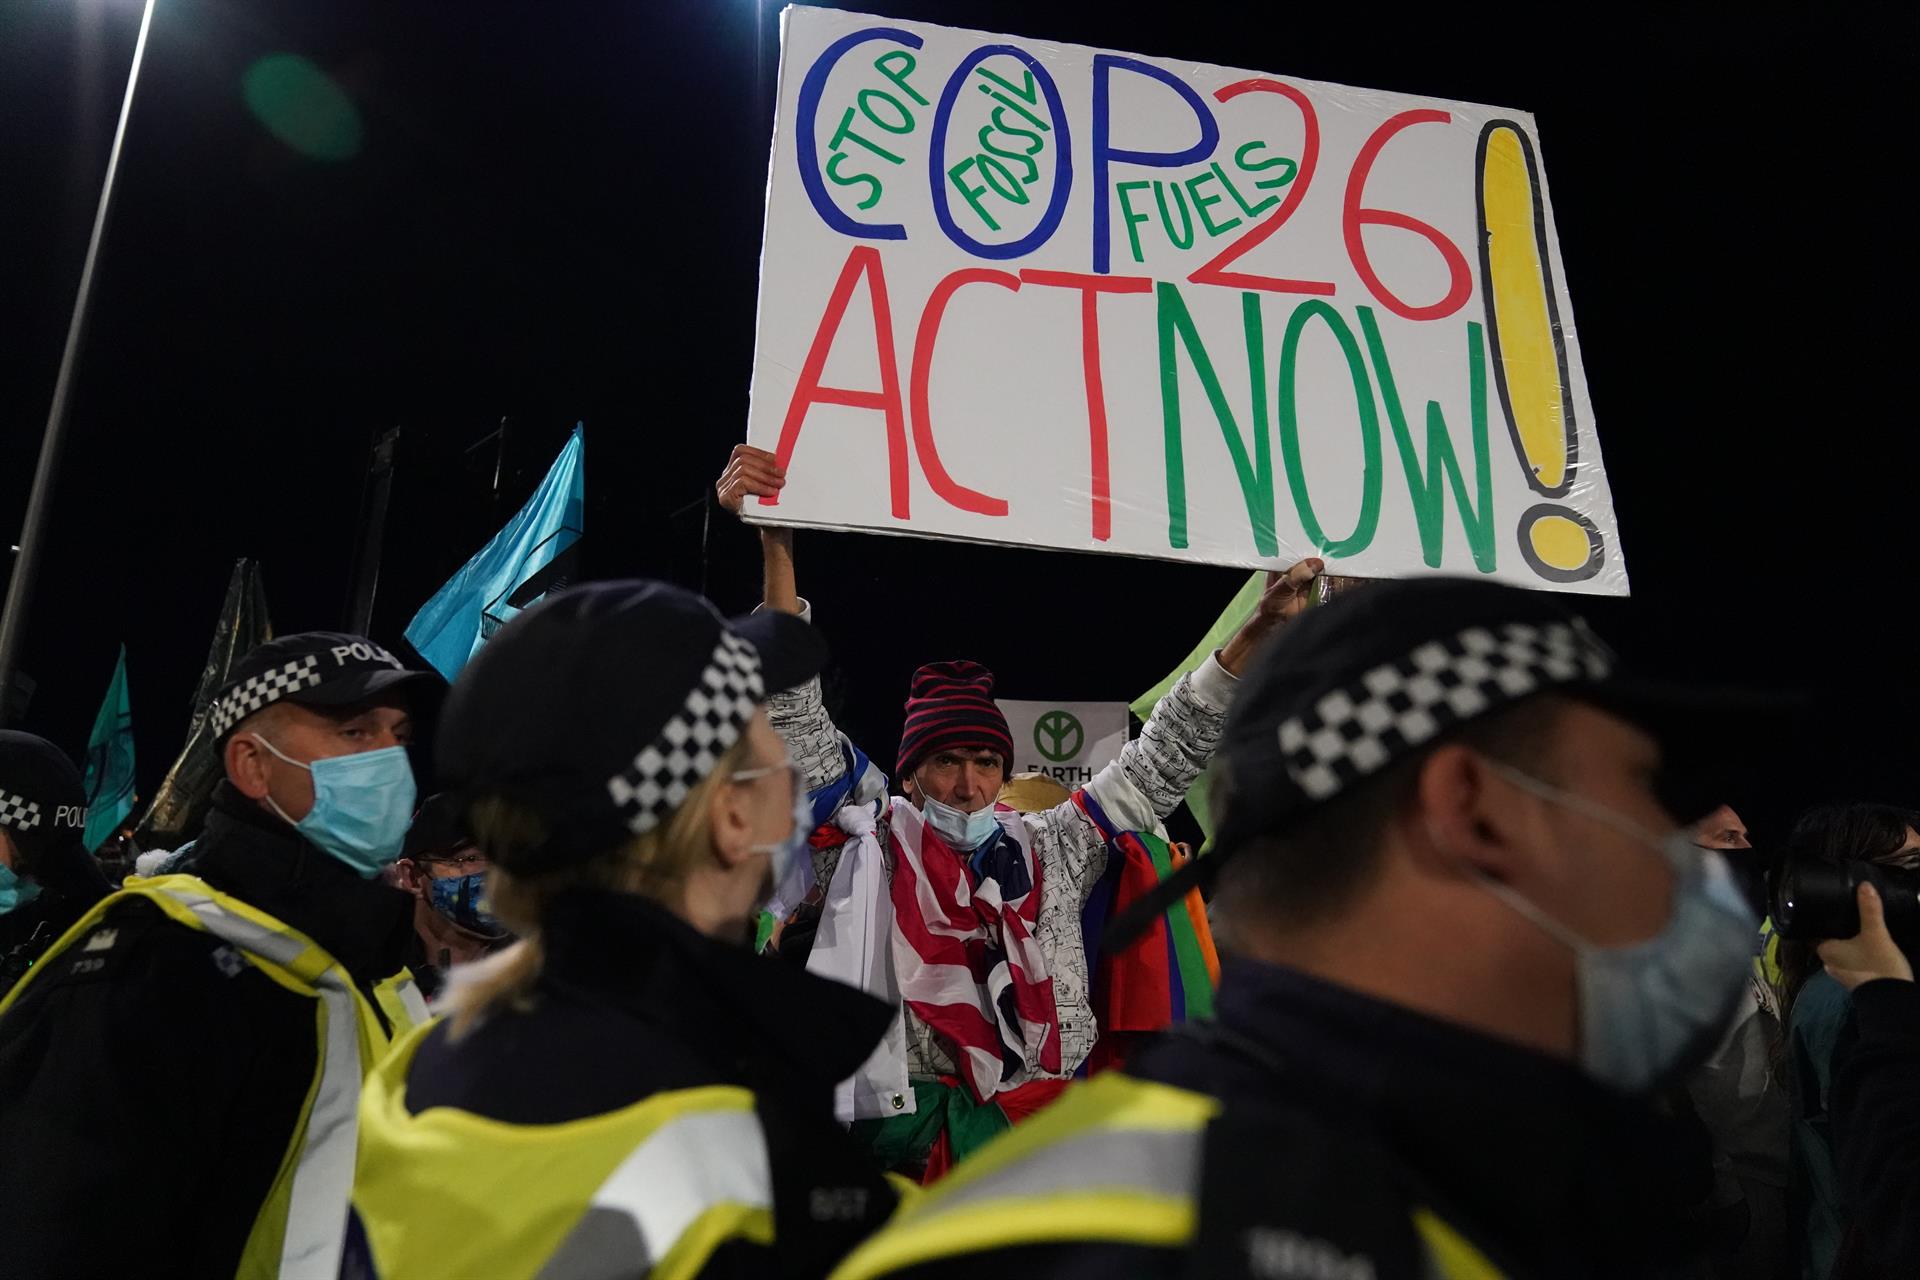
(1091, 287)
(1214, 271)
(1354, 216)
(863, 260)
(955, 493)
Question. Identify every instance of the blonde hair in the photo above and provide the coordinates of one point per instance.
(654, 865)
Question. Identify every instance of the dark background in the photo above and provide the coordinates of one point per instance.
(555, 216)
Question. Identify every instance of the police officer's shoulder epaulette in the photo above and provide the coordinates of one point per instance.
(132, 932)
(1283, 1192)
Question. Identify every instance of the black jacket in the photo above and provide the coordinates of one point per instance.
(1342, 1113)
(149, 1087)
(70, 883)
(633, 1002)
(1876, 1132)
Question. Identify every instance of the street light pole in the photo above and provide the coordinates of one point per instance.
(27, 561)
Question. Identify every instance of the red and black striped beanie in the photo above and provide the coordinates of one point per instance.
(950, 704)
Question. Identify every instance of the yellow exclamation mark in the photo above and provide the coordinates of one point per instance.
(1530, 353)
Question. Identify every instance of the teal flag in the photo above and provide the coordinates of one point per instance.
(110, 761)
(532, 555)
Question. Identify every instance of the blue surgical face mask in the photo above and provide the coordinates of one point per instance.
(1653, 1010)
(963, 832)
(362, 805)
(462, 899)
(15, 890)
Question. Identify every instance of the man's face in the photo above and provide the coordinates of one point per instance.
(307, 734)
(968, 778)
(9, 856)
(1907, 856)
(417, 874)
(1599, 878)
(464, 861)
(1721, 829)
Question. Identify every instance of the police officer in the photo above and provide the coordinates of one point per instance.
(447, 875)
(628, 1089)
(178, 1080)
(47, 878)
(1469, 945)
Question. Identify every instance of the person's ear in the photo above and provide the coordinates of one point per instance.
(1470, 822)
(730, 818)
(909, 790)
(249, 766)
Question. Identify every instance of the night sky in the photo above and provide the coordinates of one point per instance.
(554, 215)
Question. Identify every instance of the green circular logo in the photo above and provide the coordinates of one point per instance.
(1058, 736)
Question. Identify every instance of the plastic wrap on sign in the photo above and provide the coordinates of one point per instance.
(1056, 296)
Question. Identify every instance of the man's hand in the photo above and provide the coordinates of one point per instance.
(1285, 598)
(753, 473)
(750, 472)
(1869, 954)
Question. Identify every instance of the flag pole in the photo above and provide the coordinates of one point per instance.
(372, 535)
(20, 587)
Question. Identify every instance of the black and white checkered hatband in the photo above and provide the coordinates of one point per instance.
(263, 690)
(1355, 731)
(685, 751)
(18, 812)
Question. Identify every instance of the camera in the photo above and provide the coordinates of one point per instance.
(1815, 901)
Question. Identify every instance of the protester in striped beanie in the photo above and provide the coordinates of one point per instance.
(950, 704)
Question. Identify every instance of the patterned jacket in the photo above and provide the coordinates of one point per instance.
(1136, 791)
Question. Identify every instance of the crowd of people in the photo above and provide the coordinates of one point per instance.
(669, 977)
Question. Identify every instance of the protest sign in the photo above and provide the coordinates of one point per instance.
(1068, 741)
(1055, 296)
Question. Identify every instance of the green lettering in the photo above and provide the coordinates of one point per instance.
(1200, 204)
(1038, 123)
(1132, 219)
(1001, 126)
(1279, 180)
(1186, 217)
(1251, 210)
(1018, 157)
(845, 132)
(1027, 92)
(848, 180)
(1426, 491)
(1287, 412)
(1001, 180)
(907, 64)
(1255, 474)
(906, 116)
(972, 194)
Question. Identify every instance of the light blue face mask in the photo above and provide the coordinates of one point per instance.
(15, 892)
(362, 805)
(963, 832)
(1651, 1011)
(782, 854)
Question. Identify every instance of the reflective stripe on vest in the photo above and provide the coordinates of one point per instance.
(653, 1187)
(690, 1184)
(316, 1177)
(1450, 1256)
(1117, 1160)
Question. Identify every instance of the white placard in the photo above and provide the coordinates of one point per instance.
(1070, 741)
(1056, 296)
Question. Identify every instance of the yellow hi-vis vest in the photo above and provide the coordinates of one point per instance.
(650, 1189)
(301, 1226)
(1117, 1161)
